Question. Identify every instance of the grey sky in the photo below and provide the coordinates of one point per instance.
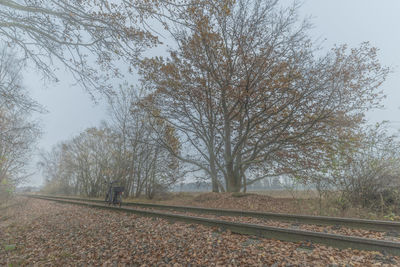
(71, 110)
(356, 21)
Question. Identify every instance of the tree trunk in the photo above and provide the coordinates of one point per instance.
(214, 176)
(244, 183)
(233, 180)
(215, 187)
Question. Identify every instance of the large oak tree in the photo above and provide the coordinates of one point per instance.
(251, 96)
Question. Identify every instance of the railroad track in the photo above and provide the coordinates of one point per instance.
(283, 234)
(376, 225)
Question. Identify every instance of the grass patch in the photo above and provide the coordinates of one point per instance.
(10, 247)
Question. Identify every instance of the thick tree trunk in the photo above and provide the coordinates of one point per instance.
(233, 185)
(215, 187)
(214, 176)
(233, 180)
(244, 182)
(232, 177)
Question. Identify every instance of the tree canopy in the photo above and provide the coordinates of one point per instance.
(249, 95)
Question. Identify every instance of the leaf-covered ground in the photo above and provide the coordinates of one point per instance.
(46, 233)
(306, 204)
(331, 229)
(231, 201)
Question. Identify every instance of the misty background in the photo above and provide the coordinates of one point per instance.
(71, 109)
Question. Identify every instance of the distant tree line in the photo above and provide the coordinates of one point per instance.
(200, 186)
(124, 150)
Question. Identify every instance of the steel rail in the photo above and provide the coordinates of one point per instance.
(377, 225)
(291, 235)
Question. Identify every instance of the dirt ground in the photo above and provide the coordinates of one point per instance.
(44, 233)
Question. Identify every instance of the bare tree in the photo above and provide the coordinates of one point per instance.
(369, 174)
(87, 37)
(59, 178)
(18, 133)
(13, 95)
(145, 165)
(124, 150)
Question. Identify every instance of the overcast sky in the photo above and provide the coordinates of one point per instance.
(356, 21)
(71, 110)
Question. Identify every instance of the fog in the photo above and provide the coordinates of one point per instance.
(71, 109)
